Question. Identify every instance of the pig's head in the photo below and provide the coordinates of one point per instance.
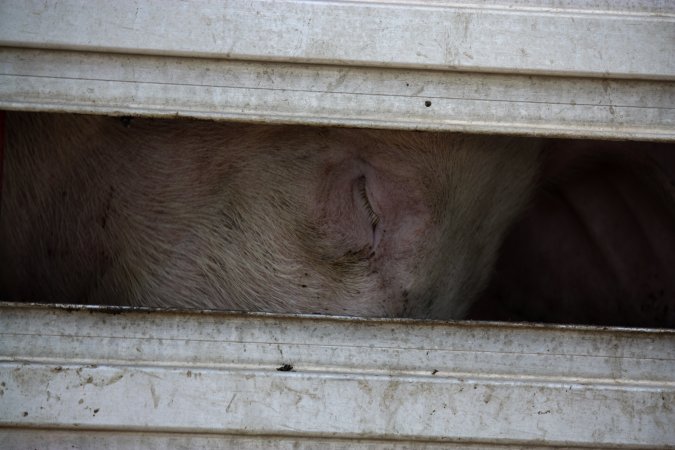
(294, 219)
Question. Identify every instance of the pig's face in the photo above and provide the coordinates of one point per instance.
(296, 219)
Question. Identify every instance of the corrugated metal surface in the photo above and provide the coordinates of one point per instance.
(215, 377)
(540, 67)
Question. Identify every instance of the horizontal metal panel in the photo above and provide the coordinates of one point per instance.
(55, 440)
(313, 379)
(332, 95)
(621, 39)
(438, 65)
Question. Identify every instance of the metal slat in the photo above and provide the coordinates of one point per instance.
(55, 439)
(616, 40)
(535, 67)
(330, 95)
(374, 380)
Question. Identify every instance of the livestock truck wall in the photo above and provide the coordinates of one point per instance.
(95, 377)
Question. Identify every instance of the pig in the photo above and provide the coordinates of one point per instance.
(276, 218)
(596, 245)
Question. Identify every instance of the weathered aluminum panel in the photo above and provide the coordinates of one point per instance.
(332, 95)
(168, 378)
(623, 39)
(537, 67)
(55, 439)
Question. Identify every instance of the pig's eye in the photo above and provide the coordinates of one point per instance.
(363, 193)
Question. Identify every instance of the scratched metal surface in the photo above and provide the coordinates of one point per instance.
(619, 39)
(161, 377)
(535, 67)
